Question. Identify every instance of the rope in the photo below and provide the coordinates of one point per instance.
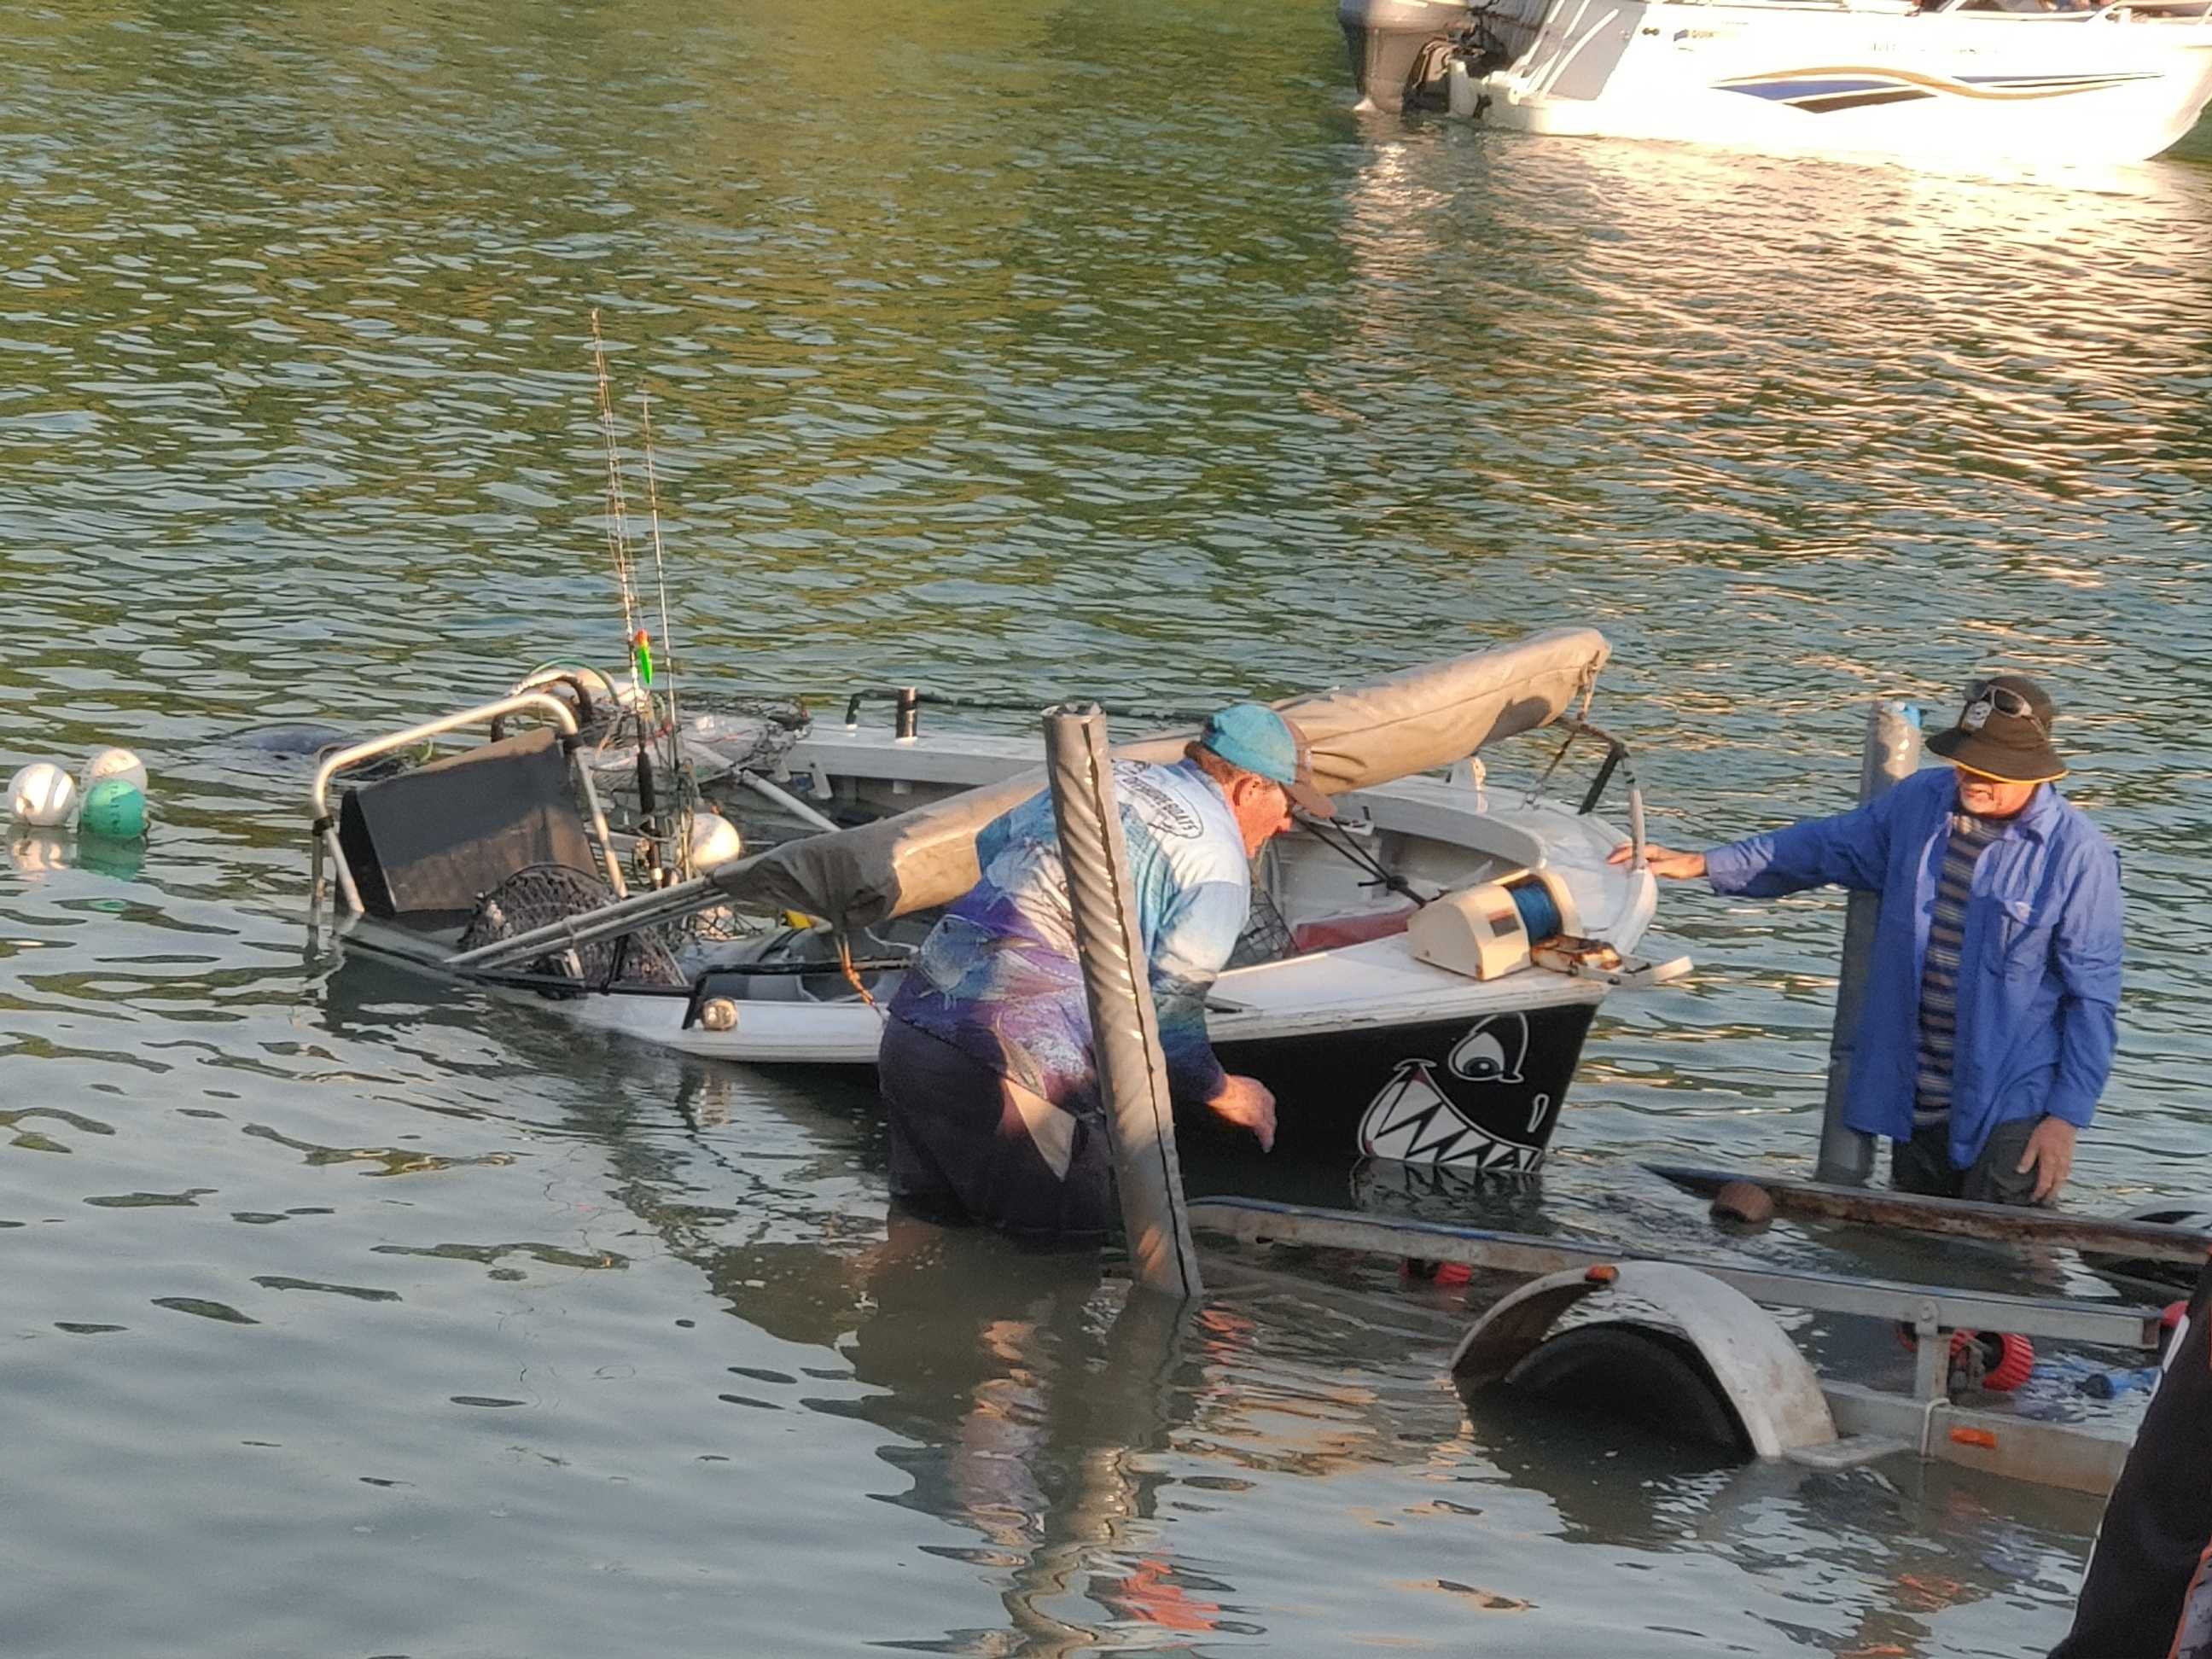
(1538, 910)
(853, 974)
(1340, 842)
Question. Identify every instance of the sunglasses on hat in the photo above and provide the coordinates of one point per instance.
(1986, 698)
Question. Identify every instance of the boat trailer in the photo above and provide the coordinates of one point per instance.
(1711, 1316)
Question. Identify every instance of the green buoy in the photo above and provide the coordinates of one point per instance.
(114, 808)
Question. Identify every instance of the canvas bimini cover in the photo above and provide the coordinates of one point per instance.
(1361, 736)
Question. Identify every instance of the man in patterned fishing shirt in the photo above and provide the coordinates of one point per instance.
(1993, 994)
(986, 1065)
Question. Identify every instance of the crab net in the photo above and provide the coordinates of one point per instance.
(542, 894)
(744, 733)
(1267, 935)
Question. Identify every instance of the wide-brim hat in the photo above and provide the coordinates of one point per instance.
(2004, 732)
(1256, 738)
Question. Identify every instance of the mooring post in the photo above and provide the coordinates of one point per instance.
(1890, 755)
(1125, 1029)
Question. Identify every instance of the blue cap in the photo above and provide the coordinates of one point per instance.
(1256, 738)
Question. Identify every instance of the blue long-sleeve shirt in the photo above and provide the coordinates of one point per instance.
(2039, 970)
(998, 976)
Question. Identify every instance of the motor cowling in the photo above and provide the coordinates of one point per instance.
(1398, 48)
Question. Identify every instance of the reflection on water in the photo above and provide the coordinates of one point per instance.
(1020, 352)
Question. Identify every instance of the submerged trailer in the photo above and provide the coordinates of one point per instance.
(1711, 1364)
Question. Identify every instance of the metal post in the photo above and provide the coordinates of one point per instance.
(1125, 1031)
(1890, 755)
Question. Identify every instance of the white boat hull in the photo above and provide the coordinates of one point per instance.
(1471, 1077)
(1370, 1051)
(1942, 88)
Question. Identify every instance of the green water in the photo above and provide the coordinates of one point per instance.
(1020, 352)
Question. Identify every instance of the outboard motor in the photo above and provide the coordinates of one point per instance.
(1399, 48)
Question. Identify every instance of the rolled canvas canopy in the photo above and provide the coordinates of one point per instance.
(1361, 736)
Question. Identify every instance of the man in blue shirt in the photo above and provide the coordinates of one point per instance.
(1992, 997)
(986, 1063)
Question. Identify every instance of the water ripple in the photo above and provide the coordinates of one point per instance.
(1022, 353)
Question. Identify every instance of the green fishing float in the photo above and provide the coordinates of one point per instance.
(114, 808)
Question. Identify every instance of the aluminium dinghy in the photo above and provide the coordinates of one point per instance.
(1415, 984)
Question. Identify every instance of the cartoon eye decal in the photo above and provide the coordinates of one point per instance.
(1480, 1057)
(1492, 1050)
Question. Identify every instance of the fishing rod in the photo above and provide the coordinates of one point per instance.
(634, 642)
(665, 825)
(684, 801)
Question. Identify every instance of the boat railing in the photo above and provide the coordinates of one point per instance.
(1616, 762)
(324, 820)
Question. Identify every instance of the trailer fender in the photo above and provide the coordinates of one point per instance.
(1655, 1328)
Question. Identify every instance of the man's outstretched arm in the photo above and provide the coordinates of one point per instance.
(1849, 849)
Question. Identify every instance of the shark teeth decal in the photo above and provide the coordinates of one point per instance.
(1413, 1121)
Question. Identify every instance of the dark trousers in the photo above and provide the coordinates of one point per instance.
(2146, 1595)
(962, 1149)
(1922, 1164)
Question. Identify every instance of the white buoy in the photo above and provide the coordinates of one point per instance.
(113, 763)
(41, 795)
(714, 840)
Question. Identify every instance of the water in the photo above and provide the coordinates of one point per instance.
(1019, 351)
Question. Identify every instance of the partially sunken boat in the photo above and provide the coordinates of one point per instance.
(1416, 985)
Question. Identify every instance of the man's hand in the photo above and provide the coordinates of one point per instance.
(1249, 1104)
(2050, 1154)
(1676, 867)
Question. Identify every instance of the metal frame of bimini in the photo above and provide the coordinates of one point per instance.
(325, 834)
(626, 913)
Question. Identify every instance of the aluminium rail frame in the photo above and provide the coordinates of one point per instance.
(325, 828)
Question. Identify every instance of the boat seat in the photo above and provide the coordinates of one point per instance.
(425, 846)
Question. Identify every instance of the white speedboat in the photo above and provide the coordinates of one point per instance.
(2024, 82)
(497, 865)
